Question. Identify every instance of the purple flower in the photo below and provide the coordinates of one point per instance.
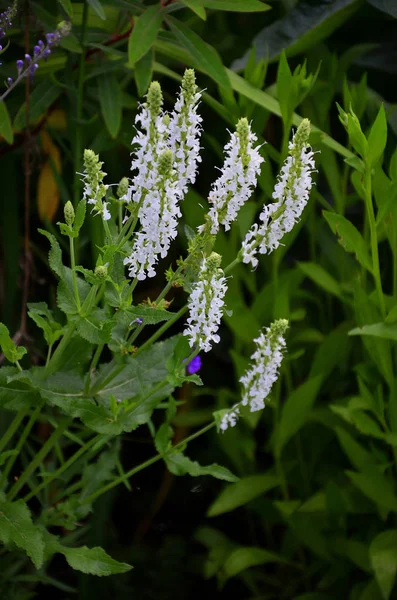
(194, 366)
(19, 66)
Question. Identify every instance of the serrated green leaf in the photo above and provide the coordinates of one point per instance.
(95, 327)
(242, 492)
(144, 33)
(93, 561)
(205, 55)
(383, 555)
(16, 527)
(11, 351)
(349, 237)
(110, 100)
(179, 464)
(15, 395)
(5, 124)
(55, 254)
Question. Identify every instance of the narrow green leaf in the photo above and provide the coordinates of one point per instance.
(144, 33)
(320, 276)
(5, 124)
(381, 330)
(110, 100)
(377, 137)
(358, 456)
(67, 7)
(55, 254)
(143, 72)
(197, 7)
(11, 351)
(179, 464)
(97, 8)
(16, 527)
(383, 555)
(349, 237)
(206, 56)
(373, 484)
(244, 558)
(241, 492)
(42, 96)
(236, 5)
(94, 561)
(284, 88)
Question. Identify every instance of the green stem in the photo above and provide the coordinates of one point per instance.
(231, 265)
(19, 417)
(40, 456)
(162, 330)
(73, 265)
(143, 465)
(374, 241)
(53, 364)
(78, 149)
(20, 443)
(63, 468)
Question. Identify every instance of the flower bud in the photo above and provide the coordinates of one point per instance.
(68, 212)
(122, 188)
(101, 271)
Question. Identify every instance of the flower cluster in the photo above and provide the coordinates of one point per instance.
(291, 194)
(262, 374)
(94, 188)
(206, 304)
(238, 179)
(6, 18)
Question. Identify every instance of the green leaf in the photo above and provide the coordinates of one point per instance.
(197, 7)
(143, 72)
(110, 102)
(244, 558)
(11, 351)
(284, 88)
(55, 254)
(144, 33)
(16, 527)
(296, 410)
(358, 456)
(242, 492)
(94, 561)
(97, 8)
(15, 395)
(377, 137)
(320, 276)
(41, 98)
(387, 6)
(206, 56)
(179, 464)
(373, 484)
(79, 216)
(381, 330)
(236, 5)
(5, 455)
(67, 7)
(349, 237)
(42, 316)
(95, 327)
(383, 555)
(5, 124)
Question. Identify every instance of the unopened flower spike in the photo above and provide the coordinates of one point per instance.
(291, 194)
(206, 303)
(94, 188)
(7, 17)
(263, 372)
(185, 131)
(238, 177)
(159, 216)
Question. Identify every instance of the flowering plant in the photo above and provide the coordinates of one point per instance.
(79, 388)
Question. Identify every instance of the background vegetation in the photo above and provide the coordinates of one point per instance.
(313, 516)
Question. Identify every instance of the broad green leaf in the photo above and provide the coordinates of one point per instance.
(349, 237)
(242, 492)
(95, 327)
(143, 72)
(179, 464)
(55, 254)
(15, 395)
(146, 28)
(16, 527)
(236, 5)
(98, 473)
(110, 102)
(383, 555)
(302, 27)
(197, 7)
(320, 276)
(94, 561)
(373, 484)
(67, 7)
(41, 98)
(296, 410)
(205, 55)
(5, 124)
(380, 330)
(11, 351)
(377, 137)
(97, 8)
(244, 558)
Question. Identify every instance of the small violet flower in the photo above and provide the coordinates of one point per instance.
(194, 365)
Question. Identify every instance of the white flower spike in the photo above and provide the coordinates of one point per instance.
(206, 304)
(291, 194)
(238, 177)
